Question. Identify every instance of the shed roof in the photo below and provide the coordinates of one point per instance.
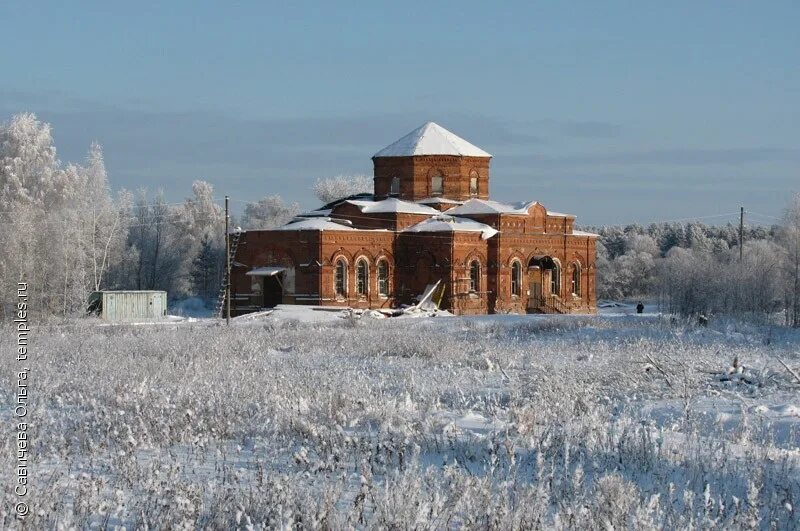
(130, 291)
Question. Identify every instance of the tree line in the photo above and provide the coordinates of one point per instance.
(695, 268)
(67, 234)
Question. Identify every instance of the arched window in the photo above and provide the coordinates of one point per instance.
(362, 277)
(395, 186)
(437, 184)
(474, 276)
(516, 278)
(383, 278)
(555, 279)
(340, 278)
(576, 279)
(473, 183)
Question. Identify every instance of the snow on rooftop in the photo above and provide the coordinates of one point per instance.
(431, 139)
(559, 214)
(320, 213)
(364, 196)
(443, 223)
(487, 206)
(438, 201)
(584, 233)
(315, 224)
(392, 205)
(268, 271)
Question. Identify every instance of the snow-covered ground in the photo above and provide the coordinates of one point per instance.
(306, 418)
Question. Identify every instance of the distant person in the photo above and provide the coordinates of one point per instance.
(639, 307)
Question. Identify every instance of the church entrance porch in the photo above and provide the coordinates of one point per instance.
(544, 286)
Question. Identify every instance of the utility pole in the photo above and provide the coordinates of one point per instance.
(741, 234)
(227, 265)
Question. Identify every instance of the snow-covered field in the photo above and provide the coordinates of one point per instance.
(308, 420)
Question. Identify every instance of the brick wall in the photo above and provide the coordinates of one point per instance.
(415, 175)
(415, 260)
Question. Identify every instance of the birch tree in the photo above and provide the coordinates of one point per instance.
(61, 227)
(333, 188)
(102, 219)
(200, 222)
(268, 213)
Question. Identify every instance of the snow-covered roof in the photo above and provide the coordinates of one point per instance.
(584, 233)
(361, 196)
(439, 201)
(392, 205)
(431, 139)
(559, 214)
(268, 271)
(321, 213)
(444, 223)
(315, 224)
(487, 206)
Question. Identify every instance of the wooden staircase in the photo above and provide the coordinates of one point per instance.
(548, 305)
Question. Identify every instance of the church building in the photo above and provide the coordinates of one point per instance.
(428, 219)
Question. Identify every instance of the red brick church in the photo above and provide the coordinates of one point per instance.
(428, 219)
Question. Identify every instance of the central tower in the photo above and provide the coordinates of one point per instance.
(431, 162)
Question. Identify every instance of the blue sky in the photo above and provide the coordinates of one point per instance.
(615, 111)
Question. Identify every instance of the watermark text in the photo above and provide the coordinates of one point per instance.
(21, 401)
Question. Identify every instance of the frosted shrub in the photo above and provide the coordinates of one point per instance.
(477, 423)
(614, 499)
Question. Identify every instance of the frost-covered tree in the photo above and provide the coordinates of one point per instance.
(633, 273)
(641, 243)
(157, 244)
(697, 239)
(695, 268)
(790, 241)
(607, 285)
(268, 213)
(694, 281)
(332, 188)
(104, 221)
(201, 223)
(63, 231)
(613, 240)
(30, 173)
(674, 235)
(207, 270)
(201, 217)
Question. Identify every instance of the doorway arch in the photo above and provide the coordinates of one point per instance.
(544, 280)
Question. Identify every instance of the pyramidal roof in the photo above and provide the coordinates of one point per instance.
(431, 139)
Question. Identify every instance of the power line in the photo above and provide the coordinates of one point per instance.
(50, 211)
(763, 215)
(59, 224)
(680, 220)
